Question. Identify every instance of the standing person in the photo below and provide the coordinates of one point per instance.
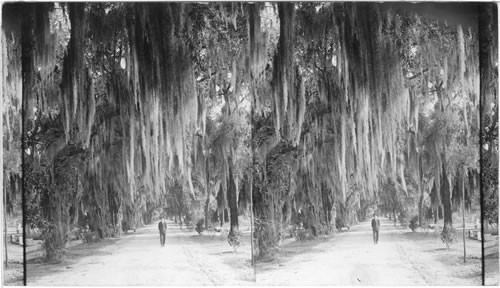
(375, 228)
(162, 226)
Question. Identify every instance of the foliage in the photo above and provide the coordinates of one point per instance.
(490, 208)
(413, 223)
(199, 226)
(302, 234)
(489, 168)
(392, 198)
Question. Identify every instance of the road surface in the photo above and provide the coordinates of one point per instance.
(351, 258)
(13, 274)
(138, 259)
(491, 269)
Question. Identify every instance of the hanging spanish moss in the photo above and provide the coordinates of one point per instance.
(345, 111)
(317, 113)
(337, 142)
(123, 118)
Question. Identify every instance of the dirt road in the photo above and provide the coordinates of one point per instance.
(13, 274)
(491, 273)
(351, 258)
(138, 259)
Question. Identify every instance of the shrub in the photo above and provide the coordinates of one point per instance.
(413, 223)
(341, 223)
(199, 226)
(402, 219)
(301, 234)
(188, 219)
(448, 235)
(125, 226)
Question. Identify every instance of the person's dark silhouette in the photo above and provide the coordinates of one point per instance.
(375, 228)
(162, 226)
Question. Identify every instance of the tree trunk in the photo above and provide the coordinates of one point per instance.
(268, 210)
(463, 216)
(436, 214)
(180, 220)
(334, 217)
(119, 219)
(446, 197)
(222, 217)
(395, 218)
(207, 193)
(54, 238)
(421, 208)
(207, 219)
(5, 226)
(232, 199)
(265, 233)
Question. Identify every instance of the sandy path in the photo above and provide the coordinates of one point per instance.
(14, 273)
(491, 266)
(139, 259)
(351, 258)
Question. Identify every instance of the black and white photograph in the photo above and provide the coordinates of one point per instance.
(250, 143)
